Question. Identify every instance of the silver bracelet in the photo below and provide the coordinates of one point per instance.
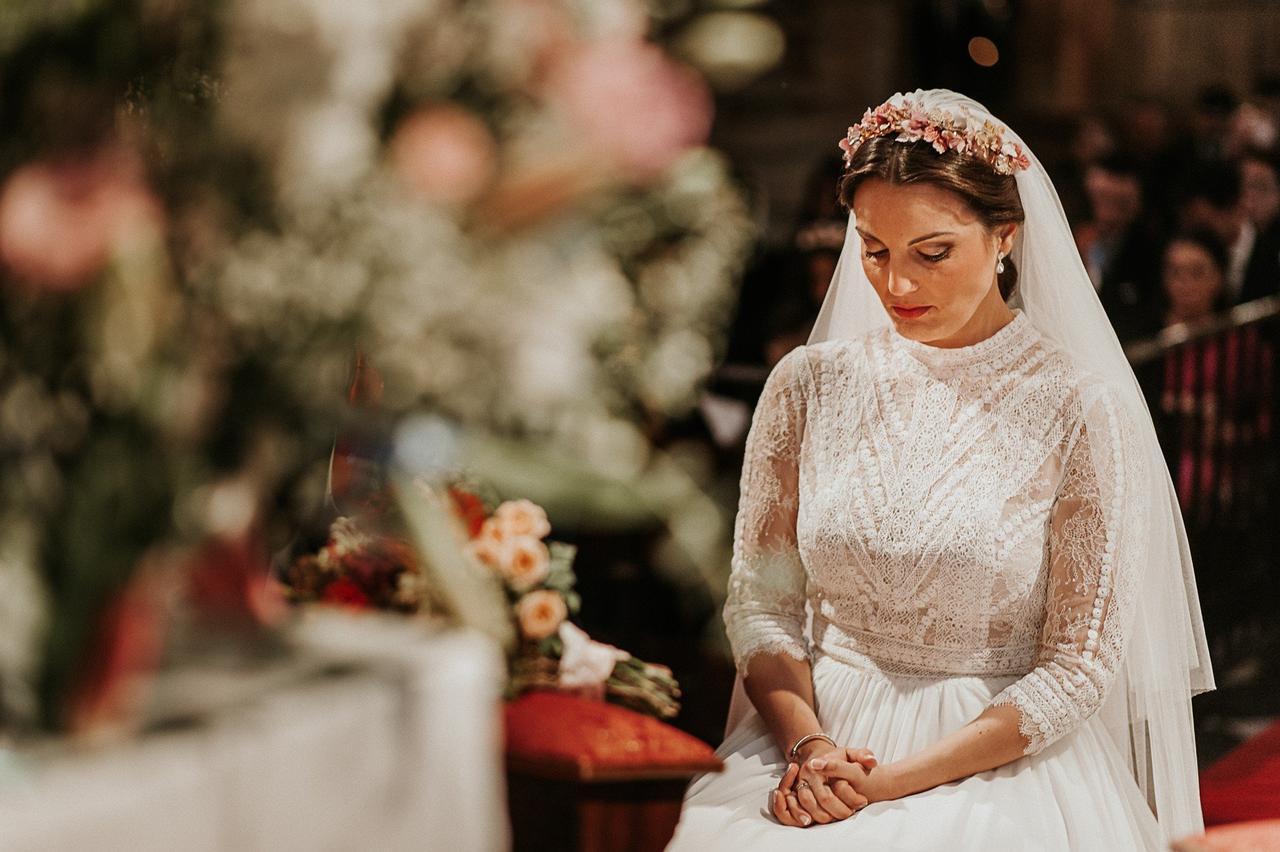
(818, 736)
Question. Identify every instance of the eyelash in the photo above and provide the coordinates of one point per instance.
(932, 258)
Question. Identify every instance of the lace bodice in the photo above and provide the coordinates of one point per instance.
(937, 511)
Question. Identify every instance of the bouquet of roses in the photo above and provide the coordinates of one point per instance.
(368, 563)
(356, 568)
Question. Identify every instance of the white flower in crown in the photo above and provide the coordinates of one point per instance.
(943, 130)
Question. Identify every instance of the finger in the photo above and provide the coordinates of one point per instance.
(799, 815)
(829, 768)
(862, 755)
(778, 803)
(831, 803)
(844, 791)
(810, 803)
(789, 777)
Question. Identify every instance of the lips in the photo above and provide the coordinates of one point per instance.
(910, 311)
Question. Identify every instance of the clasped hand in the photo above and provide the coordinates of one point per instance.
(827, 786)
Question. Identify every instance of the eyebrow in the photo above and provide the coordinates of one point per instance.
(913, 242)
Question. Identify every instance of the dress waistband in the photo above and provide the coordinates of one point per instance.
(902, 657)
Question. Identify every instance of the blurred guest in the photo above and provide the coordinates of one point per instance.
(1194, 276)
(816, 251)
(1260, 186)
(1214, 200)
(819, 201)
(1260, 198)
(1210, 383)
(769, 274)
(1250, 128)
(815, 247)
(1266, 96)
(1211, 124)
(820, 243)
(1118, 246)
(1091, 139)
(1149, 133)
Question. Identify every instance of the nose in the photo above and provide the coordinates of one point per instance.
(900, 285)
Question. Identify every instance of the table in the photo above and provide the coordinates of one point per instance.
(390, 738)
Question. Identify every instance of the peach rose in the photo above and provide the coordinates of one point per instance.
(523, 518)
(444, 153)
(60, 221)
(540, 613)
(527, 562)
(630, 103)
(489, 551)
(492, 530)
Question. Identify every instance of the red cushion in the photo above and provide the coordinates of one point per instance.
(1261, 836)
(558, 735)
(1245, 784)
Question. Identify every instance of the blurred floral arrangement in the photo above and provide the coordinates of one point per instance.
(367, 562)
(207, 208)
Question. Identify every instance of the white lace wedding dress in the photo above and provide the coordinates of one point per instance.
(937, 532)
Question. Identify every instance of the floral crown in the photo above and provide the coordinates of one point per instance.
(942, 129)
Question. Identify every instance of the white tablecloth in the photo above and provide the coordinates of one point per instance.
(399, 750)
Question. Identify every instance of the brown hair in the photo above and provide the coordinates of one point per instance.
(993, 196)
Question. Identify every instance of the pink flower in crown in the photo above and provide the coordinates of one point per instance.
(886, 118)
(955, 141)
(909, 121)
(1013, 151)
(919, 120)
(933, 135)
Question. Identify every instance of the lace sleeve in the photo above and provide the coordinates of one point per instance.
(1094, 539)
(764, 609)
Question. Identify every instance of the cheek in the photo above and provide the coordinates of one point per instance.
(876, 274)
(1207, 286)
(966, 280)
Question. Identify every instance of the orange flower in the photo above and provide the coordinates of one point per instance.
(527, 562)
(540, 613)
(522, 517)
(491, 530)
(489, 551)
(444, 153)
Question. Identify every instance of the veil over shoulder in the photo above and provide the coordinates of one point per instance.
(1166, 661)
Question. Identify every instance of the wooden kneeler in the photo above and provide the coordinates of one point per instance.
(589, 776)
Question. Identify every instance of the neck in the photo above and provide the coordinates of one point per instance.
(991, 316)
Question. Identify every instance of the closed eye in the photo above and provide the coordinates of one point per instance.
(934, 258)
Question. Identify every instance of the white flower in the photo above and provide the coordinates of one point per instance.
(586, 664)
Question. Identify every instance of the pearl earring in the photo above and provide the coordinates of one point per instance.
(1000, 264)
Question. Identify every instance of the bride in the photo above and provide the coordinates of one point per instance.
(961, 603)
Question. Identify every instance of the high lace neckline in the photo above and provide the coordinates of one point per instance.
(1011, 338)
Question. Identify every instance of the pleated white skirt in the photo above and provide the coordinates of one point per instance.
(1076, 795)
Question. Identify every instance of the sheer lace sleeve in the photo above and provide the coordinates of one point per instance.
(1095, 541)
(764, 609)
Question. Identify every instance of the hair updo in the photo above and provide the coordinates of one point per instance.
(993, 196)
